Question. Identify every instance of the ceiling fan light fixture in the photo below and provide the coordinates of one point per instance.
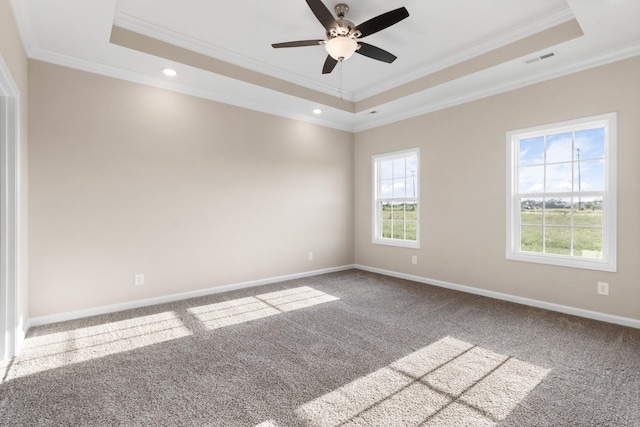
(341, 47)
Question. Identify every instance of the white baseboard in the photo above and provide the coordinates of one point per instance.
(61, 317)
(609, 318)
(54, 318)
(4, 366)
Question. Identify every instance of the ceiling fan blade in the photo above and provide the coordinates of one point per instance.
(381, 22)
(323, 14)
(329, 65)
(375, 53)
(298, 43)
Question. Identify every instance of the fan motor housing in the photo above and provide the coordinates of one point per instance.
(343, 29)
(344, 26)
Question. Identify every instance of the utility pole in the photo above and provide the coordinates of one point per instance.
(413, 178)
(579, 184)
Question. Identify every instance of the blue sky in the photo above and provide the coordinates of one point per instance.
(563, 172)
(398, 179)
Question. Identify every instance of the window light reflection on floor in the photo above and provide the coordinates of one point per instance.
(41, 353)
(448, 383)
(227, 313)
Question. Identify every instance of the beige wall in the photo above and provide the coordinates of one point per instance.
(463, 153)
(14, 56)
(129, 179)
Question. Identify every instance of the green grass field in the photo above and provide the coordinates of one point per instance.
(587, 232)
(399, 222)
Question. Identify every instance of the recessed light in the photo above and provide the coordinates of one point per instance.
(169, 72)
(317, 111)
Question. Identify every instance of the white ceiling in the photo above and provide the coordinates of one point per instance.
(438, 34)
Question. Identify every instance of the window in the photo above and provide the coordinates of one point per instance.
(395, 201)
(561, 195)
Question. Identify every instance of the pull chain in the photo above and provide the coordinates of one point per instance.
(340, 80)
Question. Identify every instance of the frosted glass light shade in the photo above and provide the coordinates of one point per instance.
(341, 47)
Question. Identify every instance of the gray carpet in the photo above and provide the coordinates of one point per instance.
(343, 349)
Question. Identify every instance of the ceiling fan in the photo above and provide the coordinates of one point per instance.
(344, 37)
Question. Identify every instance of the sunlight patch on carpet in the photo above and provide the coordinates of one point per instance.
(448, 383)
(227, 313)
(50, 351)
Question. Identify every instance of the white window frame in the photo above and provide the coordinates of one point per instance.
(12, 317)
(376, 237)
(609, 208)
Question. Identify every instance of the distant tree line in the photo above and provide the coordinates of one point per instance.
(559, 204)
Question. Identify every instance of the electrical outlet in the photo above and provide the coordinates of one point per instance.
(310, 256)
(603, 288)
(138, 279)
(414, 259)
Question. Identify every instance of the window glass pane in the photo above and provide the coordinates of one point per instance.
(560, 148)
(412, 211)
(587, 242)
(531, 239)
(385, 210)
(559, 178)
(531, 151)
(587, 211)
(385, 169)
(557, 240)
(398, 211)
(396, 191)
(560, 204)
(386, 229)
(412, 227)
(558, 211)
(410, 184)
(589, 175)
(530, 211)
(590, 143)
(412, 165)
(398, 229)
(386, 189)
(399, 168)
(399, 188)
(531, 179)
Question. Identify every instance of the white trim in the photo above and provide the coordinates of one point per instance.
(574, 311)
(140, 26)
(375, 237)
(609, 318)
(358, 123)
(61, 317)
(609, 228)
(21, 14)
(250, 103)
(495, 42)
(11, 329)
(592, 61)
(4, 368)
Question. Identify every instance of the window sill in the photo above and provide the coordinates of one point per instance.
(564, 261)
(397, 243)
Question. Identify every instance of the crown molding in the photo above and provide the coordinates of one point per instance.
(602, 58)
(357, 123)
(209, 94)
(491, 43)
(149, 29)
(21, 14)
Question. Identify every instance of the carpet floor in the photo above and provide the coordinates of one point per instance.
(344, 349)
